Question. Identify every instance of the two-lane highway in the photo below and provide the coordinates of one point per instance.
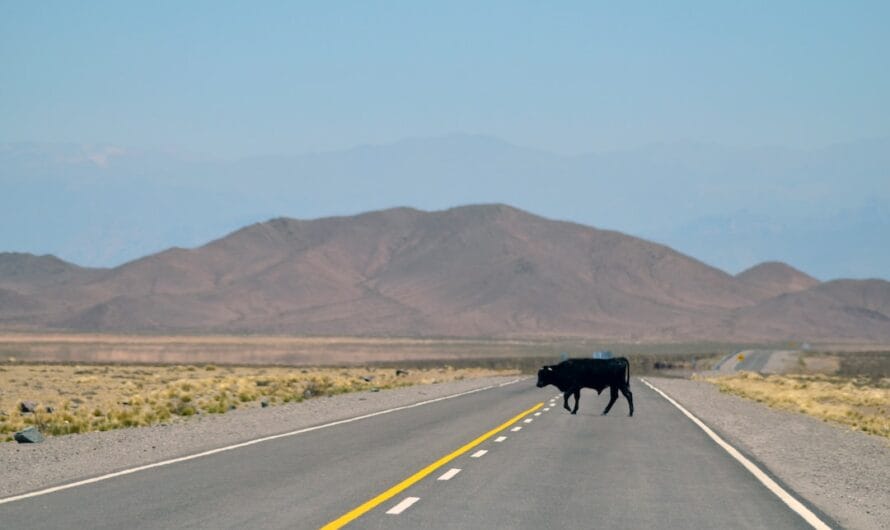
(523, 463)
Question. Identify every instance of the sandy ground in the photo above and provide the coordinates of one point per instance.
(844, 473)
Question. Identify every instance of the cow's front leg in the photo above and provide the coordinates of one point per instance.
(565, 400)
(577, 399)
(613, 396)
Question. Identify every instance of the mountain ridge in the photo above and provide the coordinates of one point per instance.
(730, 221)
(773, 278)
(488, 270)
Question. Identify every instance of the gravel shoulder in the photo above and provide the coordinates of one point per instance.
(63, 459)
(843, 473)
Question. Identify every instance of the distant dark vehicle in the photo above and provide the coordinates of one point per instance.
(571, 375)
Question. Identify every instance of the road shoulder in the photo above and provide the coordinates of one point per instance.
(842, 472)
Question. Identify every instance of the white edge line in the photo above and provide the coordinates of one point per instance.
(402, 506)
(449, 474)
(764, 479)
(242, 444)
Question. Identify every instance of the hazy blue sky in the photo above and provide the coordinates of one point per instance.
(737, 132)
(234, 79)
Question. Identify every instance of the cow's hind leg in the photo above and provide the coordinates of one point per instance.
(613, 396)
(630, 398)
(577, 400)
(565, 400)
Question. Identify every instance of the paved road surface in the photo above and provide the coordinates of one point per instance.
(754, 361)
(655, 470)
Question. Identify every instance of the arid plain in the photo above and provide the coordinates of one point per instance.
(94, 381)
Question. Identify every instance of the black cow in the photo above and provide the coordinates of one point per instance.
(571, 375)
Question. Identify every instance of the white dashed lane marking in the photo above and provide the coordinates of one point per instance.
(407, 502)
(546, 409)
(450, 473)
(393, 491)
(402, 506)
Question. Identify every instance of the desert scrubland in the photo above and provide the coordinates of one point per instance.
(74, 398)
(95, 382)
(322, 350)
(850, 389)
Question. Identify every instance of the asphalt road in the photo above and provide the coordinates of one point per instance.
(654, 470)
(754, 361)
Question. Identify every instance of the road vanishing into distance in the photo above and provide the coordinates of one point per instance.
(752, 361)
(507, 457)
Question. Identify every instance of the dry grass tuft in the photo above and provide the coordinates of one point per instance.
(860, 402)
(101, 397)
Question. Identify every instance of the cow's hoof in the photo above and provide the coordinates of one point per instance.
(573, 413)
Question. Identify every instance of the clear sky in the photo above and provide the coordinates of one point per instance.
(235, 79)
(736, 132)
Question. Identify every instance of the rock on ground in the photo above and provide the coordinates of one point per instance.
(28, 436)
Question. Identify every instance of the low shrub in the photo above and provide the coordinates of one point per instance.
(861, 403)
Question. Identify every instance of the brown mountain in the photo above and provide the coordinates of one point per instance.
(31, 273)
(841, 310)
(16, 305)
(34, 287)
(772, 278)
(488, 270)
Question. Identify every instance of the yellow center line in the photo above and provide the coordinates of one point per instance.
(369, 505)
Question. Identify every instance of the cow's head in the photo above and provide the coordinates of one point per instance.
(546, 376)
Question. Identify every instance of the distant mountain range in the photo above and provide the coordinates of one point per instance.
(824, 210)
(473, 271)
